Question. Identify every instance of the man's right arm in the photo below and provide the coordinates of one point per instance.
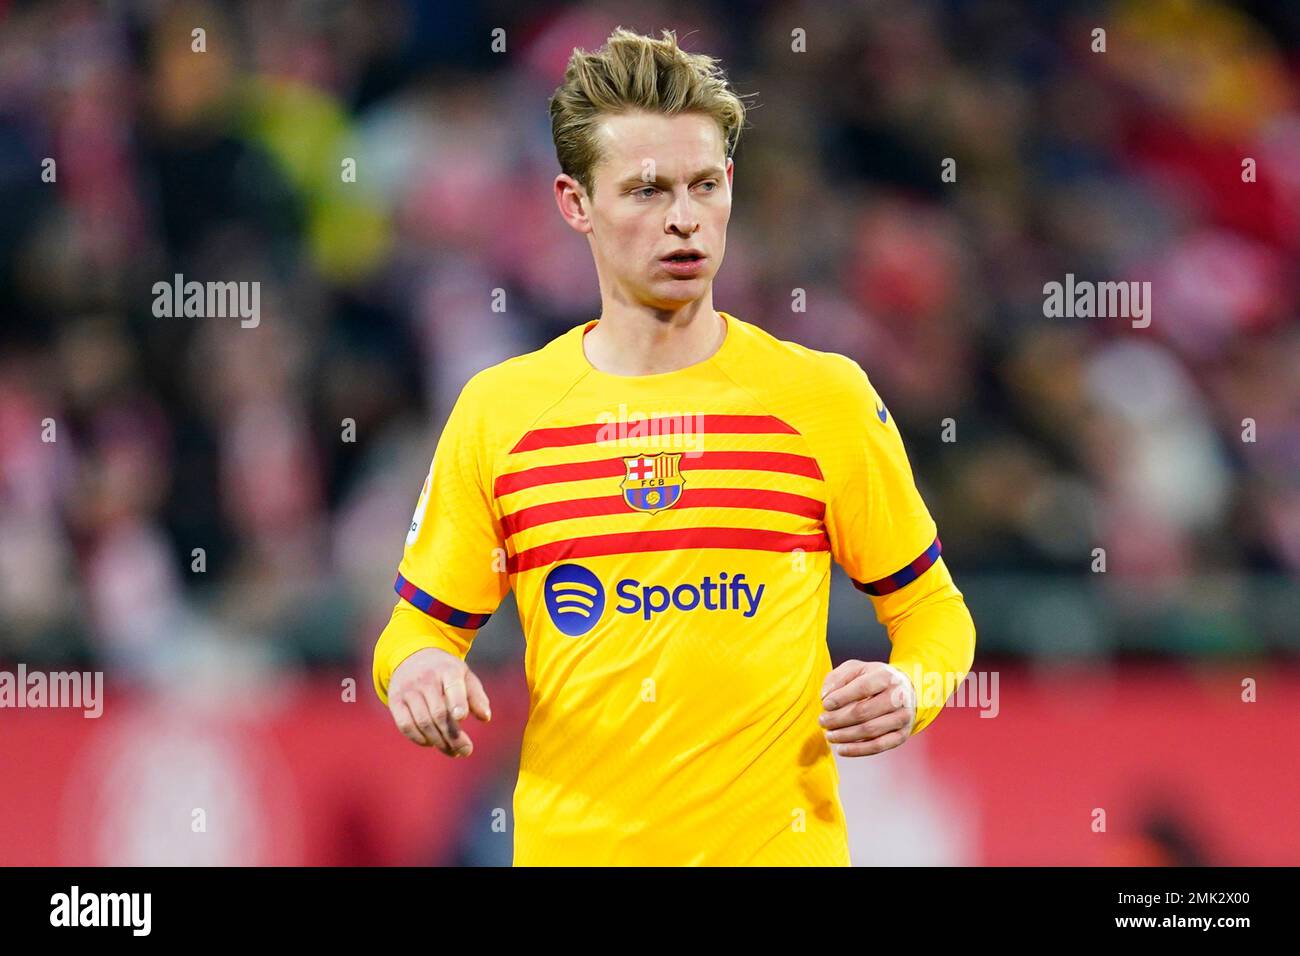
(450, 581)
(421, 675)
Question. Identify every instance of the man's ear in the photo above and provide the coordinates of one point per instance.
(731, 168)
(571, 198)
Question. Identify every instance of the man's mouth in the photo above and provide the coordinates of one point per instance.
(691, 256)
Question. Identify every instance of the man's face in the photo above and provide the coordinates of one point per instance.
(663, 186)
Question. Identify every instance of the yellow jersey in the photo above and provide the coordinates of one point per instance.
(669, 540)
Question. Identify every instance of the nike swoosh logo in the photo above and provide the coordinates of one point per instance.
(881, 413)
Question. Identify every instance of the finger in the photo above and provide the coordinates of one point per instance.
(871, 729)
(453, 689)
(424, 719)
(868, 682)
(406, 723)
(840, 676)
(857, 712)
(456, 740)
(478, 698)
(869, 747)
(902, 691)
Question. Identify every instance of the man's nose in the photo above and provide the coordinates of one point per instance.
(682, 217)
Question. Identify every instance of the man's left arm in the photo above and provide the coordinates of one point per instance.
(883, 535)
(871, 706)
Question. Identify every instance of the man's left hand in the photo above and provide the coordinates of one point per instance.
(870, 707)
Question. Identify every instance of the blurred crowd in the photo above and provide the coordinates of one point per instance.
(176, 490)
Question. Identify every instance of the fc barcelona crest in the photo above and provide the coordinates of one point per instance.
(653, 482)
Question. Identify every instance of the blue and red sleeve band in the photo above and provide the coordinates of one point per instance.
(904, 577)
(431, 606)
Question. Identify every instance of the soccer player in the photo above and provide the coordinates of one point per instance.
(664, 489)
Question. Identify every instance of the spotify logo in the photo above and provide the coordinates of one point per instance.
(575, 599)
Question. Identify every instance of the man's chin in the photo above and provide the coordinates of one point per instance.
(675, 295)
(683, 289)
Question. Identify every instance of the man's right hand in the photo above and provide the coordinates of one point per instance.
(429, 693)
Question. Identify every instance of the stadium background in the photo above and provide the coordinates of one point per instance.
(225, 689)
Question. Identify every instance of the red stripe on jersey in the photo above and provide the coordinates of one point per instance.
(551, 474)
(636, 542)
(531, 517)
(565, 435)
(782, 501)
(779, 461)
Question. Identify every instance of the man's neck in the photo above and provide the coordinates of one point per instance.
(640, 342)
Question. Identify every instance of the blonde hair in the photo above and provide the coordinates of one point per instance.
(635, 72)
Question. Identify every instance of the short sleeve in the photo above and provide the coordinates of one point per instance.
(880, 530)
(453, 567)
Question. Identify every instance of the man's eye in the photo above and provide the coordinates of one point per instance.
(711, 183)
(642, 192)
